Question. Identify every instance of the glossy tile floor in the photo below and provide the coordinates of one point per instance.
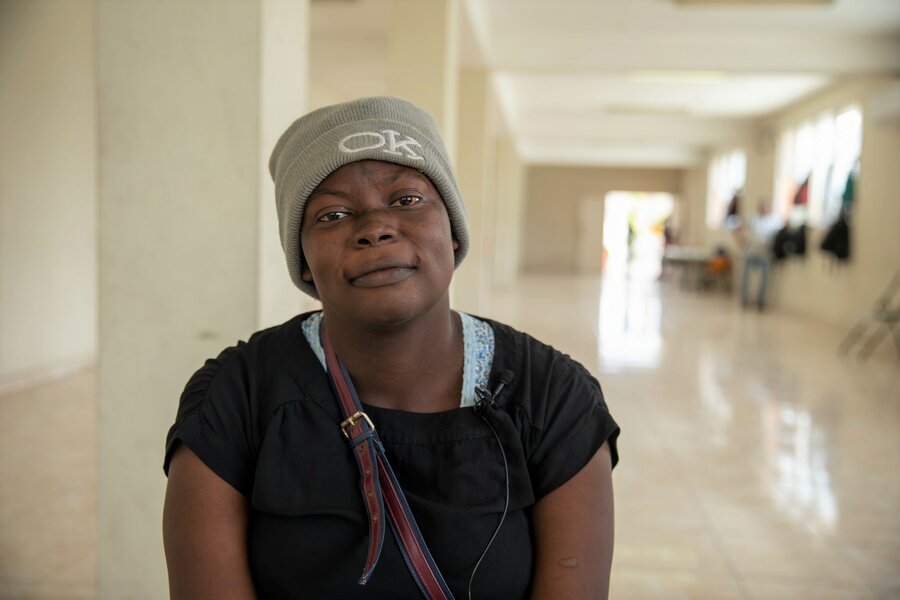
(48, 491)
(755, 462)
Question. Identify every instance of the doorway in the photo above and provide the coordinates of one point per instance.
(634, 225)
(630, 311)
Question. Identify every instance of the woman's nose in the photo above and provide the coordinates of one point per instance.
(376, 227)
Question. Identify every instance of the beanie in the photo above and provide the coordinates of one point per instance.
(378, 128)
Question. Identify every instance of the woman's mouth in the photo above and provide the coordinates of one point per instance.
(382, 277)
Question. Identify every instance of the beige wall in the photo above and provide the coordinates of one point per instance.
(840, 295)
(48, 170)
(809, 286)
(552, 198)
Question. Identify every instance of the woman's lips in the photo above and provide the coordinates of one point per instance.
(382, 277)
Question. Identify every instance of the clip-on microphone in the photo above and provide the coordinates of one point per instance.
(486, 399)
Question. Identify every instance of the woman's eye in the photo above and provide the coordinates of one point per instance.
(406, 201)
(335, 215)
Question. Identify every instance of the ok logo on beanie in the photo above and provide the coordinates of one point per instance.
(370, 140)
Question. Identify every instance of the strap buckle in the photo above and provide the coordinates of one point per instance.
(352, 420)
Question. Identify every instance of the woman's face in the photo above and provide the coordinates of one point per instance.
(377, 243)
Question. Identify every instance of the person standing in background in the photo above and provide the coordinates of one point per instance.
(755, 239)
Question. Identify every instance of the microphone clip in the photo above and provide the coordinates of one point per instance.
(485, 400)
(488, 400)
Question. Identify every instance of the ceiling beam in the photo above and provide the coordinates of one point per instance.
(730, 52)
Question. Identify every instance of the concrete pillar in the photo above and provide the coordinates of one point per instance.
(423, 59)
(284, 64)
(508, 217)
(179, 154)
(475, 172)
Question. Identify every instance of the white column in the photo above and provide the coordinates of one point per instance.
(474, 171)
(179, 135)
(423, 58)
(284, 79)
(508, 221)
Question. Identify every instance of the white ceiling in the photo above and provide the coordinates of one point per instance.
(639, 82)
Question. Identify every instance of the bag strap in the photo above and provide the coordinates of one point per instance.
(379, 487)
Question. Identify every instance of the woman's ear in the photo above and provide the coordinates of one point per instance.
(455, 243)
(305, 273)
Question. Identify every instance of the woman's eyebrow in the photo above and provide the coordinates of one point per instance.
(405, 173)
(328, 192)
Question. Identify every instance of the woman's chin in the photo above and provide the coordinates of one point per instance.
(387, 311)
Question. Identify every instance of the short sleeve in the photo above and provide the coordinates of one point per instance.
(215, 420)
(569, 423)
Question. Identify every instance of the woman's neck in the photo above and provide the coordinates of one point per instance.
(415, 366)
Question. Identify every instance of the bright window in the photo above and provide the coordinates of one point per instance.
(824, 151)
(727, 175)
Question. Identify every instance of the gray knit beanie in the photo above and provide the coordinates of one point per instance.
(379, 128)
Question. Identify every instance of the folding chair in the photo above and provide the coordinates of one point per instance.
(885, 316)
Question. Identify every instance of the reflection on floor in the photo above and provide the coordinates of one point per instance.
(755, 462)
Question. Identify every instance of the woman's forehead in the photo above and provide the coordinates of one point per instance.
(374, 171)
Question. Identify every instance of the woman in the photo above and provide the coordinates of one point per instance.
(502, 446)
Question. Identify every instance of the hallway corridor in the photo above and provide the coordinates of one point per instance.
(755, 463)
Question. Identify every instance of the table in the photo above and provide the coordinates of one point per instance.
(691, 261)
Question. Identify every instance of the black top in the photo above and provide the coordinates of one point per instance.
(263, 417)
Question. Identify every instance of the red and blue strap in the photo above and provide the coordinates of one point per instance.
(380, 488)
